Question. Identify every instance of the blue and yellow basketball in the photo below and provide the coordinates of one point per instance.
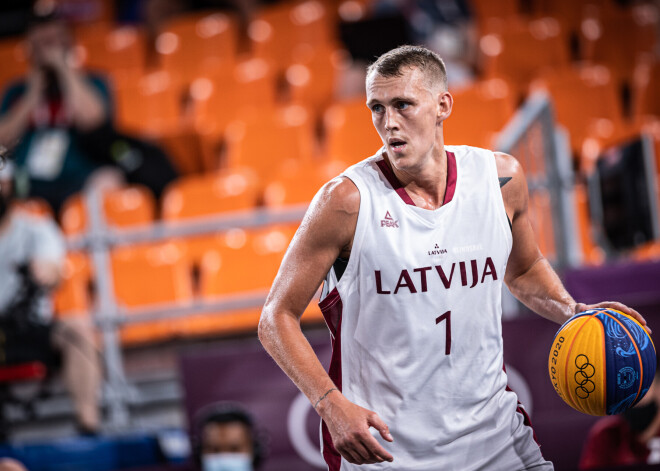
(602, 362)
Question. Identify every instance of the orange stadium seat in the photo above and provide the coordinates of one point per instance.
(221, 97)
(72, 296)
(194, 43)
(350, 135)
(228, 269)
(570, 13)
(210, 194)
(619, 37)
(150, 276)
(518, 49)
(122, 208)
(183, 147)
(110, 48)
(479, 113)
(646, 91)
(586, 102)
(297, 182)
(278, 30)
(151, 106)
(312, 77)
(197, 246)
(247, 267)
(242, 92)
(485, 10)
(261, 143)
(14, 61)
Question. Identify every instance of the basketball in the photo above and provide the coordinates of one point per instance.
(602, 362)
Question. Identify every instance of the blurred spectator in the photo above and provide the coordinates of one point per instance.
(45, 117)
(632, 438)
(31, 262)
(444, 26)
(7, 464)
(225, 438)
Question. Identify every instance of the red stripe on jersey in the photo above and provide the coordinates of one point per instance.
(451, 177)
(396, 184)
(526, 420)
(331, 307)
(388, 173)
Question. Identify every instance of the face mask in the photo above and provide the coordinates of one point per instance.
(639, 418)
(227, 462)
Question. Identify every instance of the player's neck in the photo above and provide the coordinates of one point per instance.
(427, 183)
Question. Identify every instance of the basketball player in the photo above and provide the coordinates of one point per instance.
(414, 244)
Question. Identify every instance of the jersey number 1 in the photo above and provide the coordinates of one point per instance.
(446, 316)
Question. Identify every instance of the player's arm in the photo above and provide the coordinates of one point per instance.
(325, 233)
(15, 118)
(529, 276)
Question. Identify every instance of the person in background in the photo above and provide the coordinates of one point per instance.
(631, 438)
(225, 438)
(32, 254)
(46, 117)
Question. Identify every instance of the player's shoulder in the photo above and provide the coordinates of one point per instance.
(507, 165)
(338, 195)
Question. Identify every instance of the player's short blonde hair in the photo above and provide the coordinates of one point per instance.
(392, 63)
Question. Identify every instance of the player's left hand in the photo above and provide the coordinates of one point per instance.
(579, 307)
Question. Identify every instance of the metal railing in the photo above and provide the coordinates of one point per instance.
(543, 150)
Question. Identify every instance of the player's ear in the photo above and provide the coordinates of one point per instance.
(445, 105)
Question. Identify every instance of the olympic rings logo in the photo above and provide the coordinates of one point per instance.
(583, 377)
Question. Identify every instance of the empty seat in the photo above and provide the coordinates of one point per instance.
(311, 78)
(264, 141)
(518, 49)
(350, 135)
(194, 43)
(485, 10)
(241, 265)
(646, 105)
(225, 95)
(110, 48)
(277, 30)
(479, 113)
(13, 59)
(586, 102)
(122, 208)
(619, 37)
(297, 182)
(247, 267)
(150, 276)
(210, 194)
(151, 106)
(238, 93)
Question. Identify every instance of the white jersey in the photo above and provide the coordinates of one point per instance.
(416, 322)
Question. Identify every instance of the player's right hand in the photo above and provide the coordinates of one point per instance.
(349, 426)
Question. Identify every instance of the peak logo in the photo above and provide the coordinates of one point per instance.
(388, 221)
